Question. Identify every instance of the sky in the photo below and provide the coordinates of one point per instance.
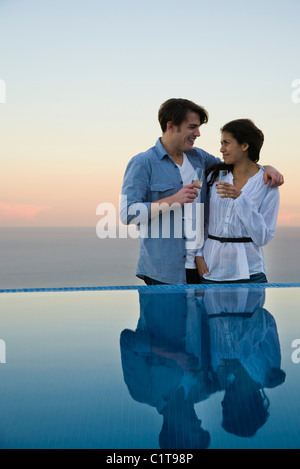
(81, 82)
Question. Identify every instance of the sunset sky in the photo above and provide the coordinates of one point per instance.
(81, 82)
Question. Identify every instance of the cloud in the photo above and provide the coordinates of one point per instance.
(15, 211)
(289, 216)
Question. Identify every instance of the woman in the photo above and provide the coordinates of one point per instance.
(242, 210)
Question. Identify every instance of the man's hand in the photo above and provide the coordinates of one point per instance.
(187, 194)
(201, 266)
(271, 174)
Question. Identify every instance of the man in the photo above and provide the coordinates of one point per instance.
(168, 367)
(159, 180)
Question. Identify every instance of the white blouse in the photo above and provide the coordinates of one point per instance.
(253, 339)
(253, 214)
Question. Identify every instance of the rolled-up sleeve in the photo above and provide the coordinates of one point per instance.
(260, 223)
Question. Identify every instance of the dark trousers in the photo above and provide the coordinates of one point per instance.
(192, 277)
(255, 278)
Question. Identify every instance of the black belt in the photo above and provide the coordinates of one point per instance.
(231, 240)
(238, 314)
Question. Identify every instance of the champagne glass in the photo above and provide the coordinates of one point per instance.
(222, 174)
(198, 178)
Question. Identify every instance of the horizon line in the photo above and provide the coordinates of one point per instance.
(94, 226)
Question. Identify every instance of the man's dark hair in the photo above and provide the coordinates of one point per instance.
(176, 109)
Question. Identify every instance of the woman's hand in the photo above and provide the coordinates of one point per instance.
(226, 190)
(201, 266)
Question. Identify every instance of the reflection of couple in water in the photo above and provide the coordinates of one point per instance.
(190, 344)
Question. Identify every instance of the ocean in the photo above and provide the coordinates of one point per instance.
(76, 257)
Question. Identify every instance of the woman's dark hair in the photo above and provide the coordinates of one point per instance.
(176, 109)
(244, 131)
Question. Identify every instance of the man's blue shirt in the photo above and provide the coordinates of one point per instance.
(151, 176)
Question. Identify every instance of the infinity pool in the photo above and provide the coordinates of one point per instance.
(151, 368)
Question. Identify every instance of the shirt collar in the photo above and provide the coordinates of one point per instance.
(161, 149)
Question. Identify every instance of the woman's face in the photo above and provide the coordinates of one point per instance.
(232, 151)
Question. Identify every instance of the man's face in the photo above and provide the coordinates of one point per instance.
(186, 133)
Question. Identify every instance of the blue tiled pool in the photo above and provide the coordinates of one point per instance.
(151, 368)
